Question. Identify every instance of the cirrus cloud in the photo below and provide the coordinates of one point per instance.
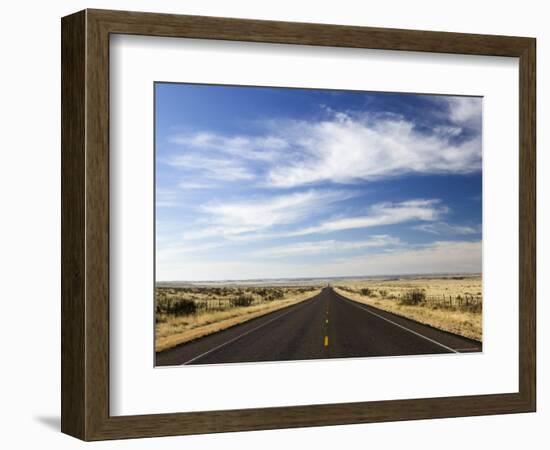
(350, 149)
(347, 147)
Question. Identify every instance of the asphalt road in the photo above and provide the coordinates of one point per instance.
(325, 326)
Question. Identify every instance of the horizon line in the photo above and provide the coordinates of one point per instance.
(319, 278)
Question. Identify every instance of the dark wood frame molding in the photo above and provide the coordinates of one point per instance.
(85, 224)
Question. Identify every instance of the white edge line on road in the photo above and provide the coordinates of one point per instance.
(244, 334)
(358, 305)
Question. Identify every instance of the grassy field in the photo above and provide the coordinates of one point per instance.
(185, 313)
(452, 303)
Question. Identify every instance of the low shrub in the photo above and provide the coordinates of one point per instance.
(242, 300)
(413, 297)
(270, 294)
(176, 307)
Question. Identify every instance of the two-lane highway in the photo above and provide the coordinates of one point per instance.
(326, 326)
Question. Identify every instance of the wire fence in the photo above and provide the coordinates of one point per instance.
(213, 305)
(458, 300)
(462, 301)
(184, 301)
(466, 301)
(223, 304)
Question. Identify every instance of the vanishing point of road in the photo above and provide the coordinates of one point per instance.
(327, 325)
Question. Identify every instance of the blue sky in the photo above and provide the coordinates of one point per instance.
(273, 182)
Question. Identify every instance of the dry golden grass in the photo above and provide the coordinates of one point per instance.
(453, 286)
(384, 295)
(172, 330)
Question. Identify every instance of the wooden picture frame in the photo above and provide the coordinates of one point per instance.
(85, 224)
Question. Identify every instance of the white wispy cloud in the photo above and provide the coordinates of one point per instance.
(382, 214)
(168, 250)
(231, 219)
(263, 148)
(347, 149)
(466, 111)
(196, 185)
(326, 247)
(258, 219)
(166, 198)
(446, 228)
(209, 167)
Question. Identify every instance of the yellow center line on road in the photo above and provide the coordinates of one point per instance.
(326, 330)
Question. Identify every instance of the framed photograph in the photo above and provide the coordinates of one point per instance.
(272, 225)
